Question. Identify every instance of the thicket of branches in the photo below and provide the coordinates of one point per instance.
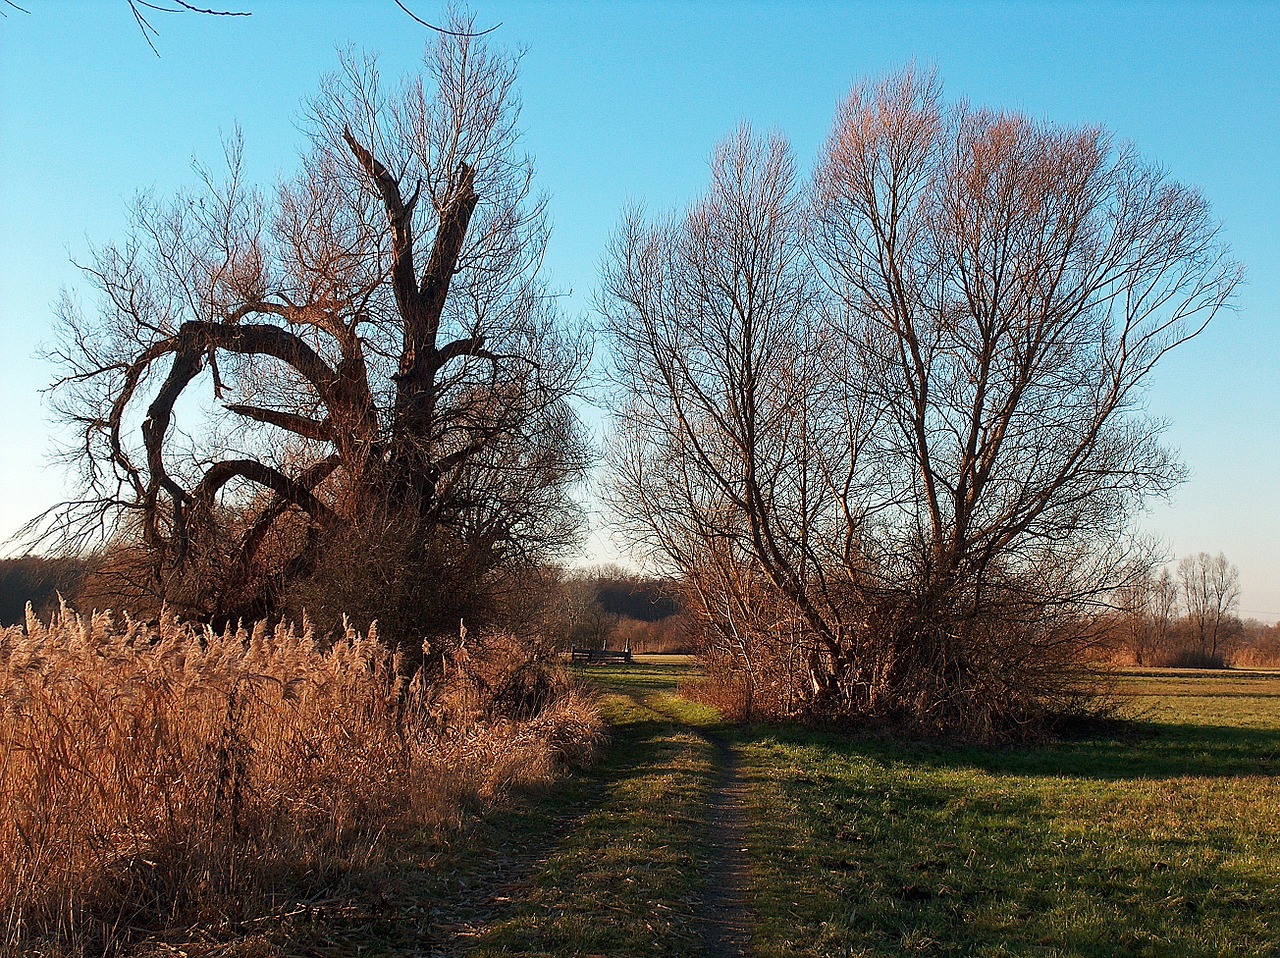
(348, 393)
(889, 423)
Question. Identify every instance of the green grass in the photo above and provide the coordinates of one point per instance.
(626, 879)
(1236, 699)
(1164, 843)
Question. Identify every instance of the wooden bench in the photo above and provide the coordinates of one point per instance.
(602, 656)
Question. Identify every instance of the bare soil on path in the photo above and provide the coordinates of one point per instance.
(728, 910)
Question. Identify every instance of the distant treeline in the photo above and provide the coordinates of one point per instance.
(40, 581)
(615, 608)
(633, 597)
(1242, 644)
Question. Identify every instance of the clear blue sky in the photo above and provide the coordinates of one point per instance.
(623, 102)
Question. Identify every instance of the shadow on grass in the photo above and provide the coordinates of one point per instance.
(870, 847)
(619, 870)
(639, 680)
(1146, 750)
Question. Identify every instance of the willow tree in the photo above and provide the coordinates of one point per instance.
(911, 413)
(359, 374)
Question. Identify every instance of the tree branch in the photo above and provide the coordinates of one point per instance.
(303, 426)
(400, 216)
(296, 493)
(445, 31)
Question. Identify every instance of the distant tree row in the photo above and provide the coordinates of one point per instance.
(610, 607)
(1188, 617)
(40, 582)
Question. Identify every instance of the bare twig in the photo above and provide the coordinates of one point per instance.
(149, 31)
(444, 30)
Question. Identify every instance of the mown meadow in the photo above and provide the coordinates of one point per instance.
(1159, 835)
(1161, 838)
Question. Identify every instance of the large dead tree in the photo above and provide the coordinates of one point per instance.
(380, 352)
(911, 410)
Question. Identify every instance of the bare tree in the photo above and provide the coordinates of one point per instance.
(1133, 604)
(1011, 285)
(933, 456)
(1164, 610)
(1148, 607)
(142, 10)
(380, 360)
(732, 463)
(1211, 592)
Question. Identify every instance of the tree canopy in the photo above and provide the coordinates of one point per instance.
(889, 423)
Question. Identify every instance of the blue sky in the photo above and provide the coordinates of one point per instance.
(623, 103)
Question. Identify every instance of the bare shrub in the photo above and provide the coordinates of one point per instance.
(1258, 648)
(501, 676)
(151, 777)
(755, 677)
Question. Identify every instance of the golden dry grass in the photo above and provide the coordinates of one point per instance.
(152, 776)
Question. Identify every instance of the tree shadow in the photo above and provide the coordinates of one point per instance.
(882, 848)
(577, 894)
(1141, 750)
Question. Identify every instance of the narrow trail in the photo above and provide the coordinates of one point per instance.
(727, 911)
(506, 906)
(728, 916)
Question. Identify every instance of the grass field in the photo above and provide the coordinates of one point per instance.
(1165, 841)
(625, 877)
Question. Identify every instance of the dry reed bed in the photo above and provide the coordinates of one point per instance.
(155, 775)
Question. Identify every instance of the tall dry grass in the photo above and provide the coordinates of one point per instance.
(152, 776)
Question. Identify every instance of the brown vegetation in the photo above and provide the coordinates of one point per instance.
(609, 607)
(1256, 646)
(888, 426)
(1190, 621)
(155, 778)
